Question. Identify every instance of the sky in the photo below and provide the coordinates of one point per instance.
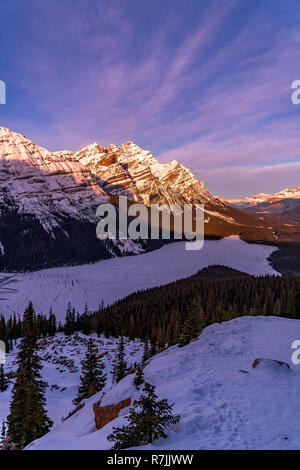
(205, 82)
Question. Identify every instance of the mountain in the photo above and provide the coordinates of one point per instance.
(263, 198)
(231, 388)
(48, 201)
(280, 211)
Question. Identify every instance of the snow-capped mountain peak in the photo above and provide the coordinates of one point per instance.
(57, 193)
(287, 193)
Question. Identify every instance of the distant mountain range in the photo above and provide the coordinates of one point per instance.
(280, 210)
(260, 198)
(48, 201)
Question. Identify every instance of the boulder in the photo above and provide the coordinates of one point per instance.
(271, 363)
(105, 414)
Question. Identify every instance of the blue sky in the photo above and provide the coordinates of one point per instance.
(207, 83)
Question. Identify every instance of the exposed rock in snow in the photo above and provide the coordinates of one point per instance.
(61, 359)
(220, 407)
(106, 414)
(269, 364)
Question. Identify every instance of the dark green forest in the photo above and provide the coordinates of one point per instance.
(159, 314)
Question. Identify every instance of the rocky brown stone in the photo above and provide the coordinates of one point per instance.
(261, 359)
(105, 414)
(102, 354)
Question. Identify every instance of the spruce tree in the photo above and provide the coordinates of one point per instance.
(153, 347)
(84, 321)
(28, 419)
(92, 379)
(3, 432)
(120, 365)
(51, 323)
(146, 353)
(192, 325)
(69, 327)
(147, 421)
(139, 378)
(3, 379)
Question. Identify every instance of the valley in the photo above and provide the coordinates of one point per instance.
(48, 202)
(112, 279)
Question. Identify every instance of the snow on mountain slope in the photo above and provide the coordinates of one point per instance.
(224, 402)
(48, 201)
(43, 184)
(61, 360)
(287, 193)
(279, 211)
(110, 280)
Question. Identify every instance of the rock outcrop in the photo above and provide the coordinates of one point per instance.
(105, 414)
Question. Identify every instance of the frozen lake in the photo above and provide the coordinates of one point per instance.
(112, 279)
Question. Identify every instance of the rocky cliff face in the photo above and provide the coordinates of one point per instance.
(48, 200)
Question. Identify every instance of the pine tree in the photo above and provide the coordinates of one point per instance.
(84, 321)
(3, 431)
(147, 421)
(3, 380)
(131, 327)
(70, 321)
(146, 353)
(139, 378)
(51, 323)
(153, 347)
(28, 419)
(268, 306)
(120, 365)
(192, 326)
(92, 379)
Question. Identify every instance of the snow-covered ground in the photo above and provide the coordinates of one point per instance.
(112, 279)
(223, 401)
(61, 361)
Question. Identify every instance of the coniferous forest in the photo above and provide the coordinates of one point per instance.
(161, 314)
(171, 314)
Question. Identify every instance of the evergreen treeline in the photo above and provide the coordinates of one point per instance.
(221, 293)
(164, 314)
(286, 259)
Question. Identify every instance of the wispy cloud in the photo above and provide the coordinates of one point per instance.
(245, 181)
(206, 83)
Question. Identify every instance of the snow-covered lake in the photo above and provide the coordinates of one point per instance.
(113, 279)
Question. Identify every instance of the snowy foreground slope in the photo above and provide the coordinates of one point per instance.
(61, 360)
(224, 403)
(113, 279)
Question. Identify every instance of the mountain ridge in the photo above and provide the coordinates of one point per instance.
(249, 201)
(48, 201)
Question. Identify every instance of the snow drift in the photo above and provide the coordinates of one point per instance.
(223, 401)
